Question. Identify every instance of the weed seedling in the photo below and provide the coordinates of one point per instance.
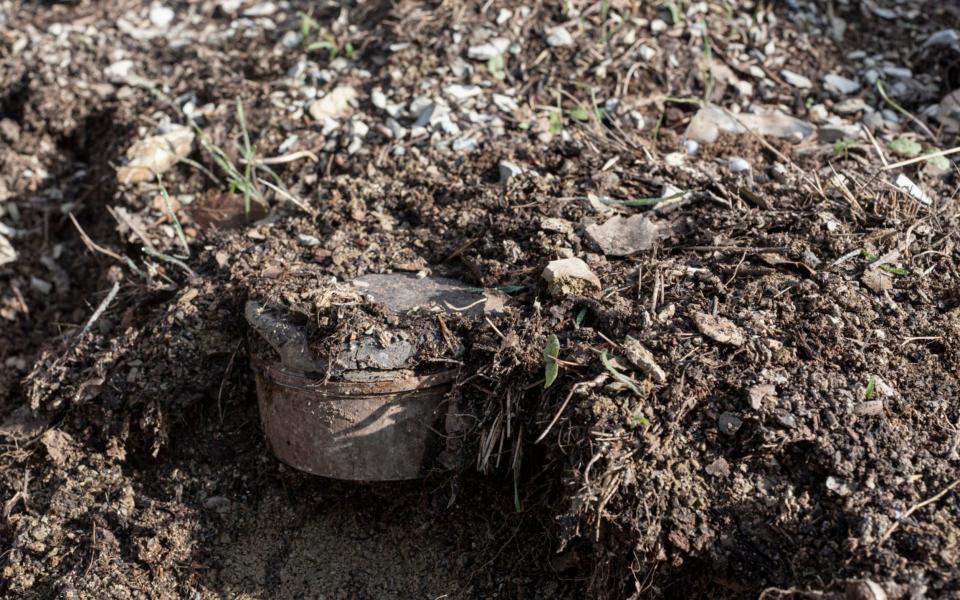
(551, 367)
(605, 359)
(842, 148)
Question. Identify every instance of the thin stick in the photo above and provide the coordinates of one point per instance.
(286, 195)
(904, 112)
(904, 163)
(169, 259)
(917, 507)
(577, 386)
(876, 146)
(100, 309)
(556, 417)
(93, 246)
(285, 158)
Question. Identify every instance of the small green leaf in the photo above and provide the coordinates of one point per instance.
(523, 125)
(580, 113)
(556, 122)
(550, 366)
(871, 388)
(940, 162)
(578, 319)
(495, 66)
(905, 147)
(618, 375)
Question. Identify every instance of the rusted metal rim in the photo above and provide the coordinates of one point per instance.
(293, 379)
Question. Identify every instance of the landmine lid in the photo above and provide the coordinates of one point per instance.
(386, 352)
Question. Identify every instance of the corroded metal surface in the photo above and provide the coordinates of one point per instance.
(362, 431)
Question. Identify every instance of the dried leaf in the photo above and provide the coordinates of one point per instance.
(719, 329)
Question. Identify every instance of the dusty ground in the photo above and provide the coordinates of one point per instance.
(798, 435)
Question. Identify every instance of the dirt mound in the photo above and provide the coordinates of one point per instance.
(738, 378)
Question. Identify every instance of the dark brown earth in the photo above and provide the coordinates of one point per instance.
(805, 441)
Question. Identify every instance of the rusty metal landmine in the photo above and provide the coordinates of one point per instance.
(376, 420)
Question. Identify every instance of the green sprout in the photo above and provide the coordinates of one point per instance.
(551, 368)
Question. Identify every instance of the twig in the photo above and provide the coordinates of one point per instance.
(904, 112)
(876, 146)
(100, 309)
(169, 259)
(93, 246)
(917, 507)
(288, 196)
(599, 379)
(285, 158)
(747, 249)
(910, 161)
(463, 308)
(226, 374)
(490, 323)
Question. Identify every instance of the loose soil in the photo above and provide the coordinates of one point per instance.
(805, 441)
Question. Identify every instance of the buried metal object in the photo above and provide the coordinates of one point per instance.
(367, 415)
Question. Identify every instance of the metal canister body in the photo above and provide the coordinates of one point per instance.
(372, 408)
(361, 431)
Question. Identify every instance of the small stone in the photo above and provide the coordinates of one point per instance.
(831, 134)
(378, 99)
(505, 103)
(57, 444)
(504, 15)
(493, 48)
(264, 9)
(219, 504)
(559, 37)
(464, 144)
(898, 72)
(7, 253)
(120, 71)
(849, 107)
(508, 169)
(646, 52)
(396, 129)
(758, 393)
(818, 113)
(866, 589)
(291, 39)
(718, 468)
(729, 423)
(840, 84)
(869, 408)
(707, 124)
(308, 241)
(161, 16)
(796, 80)
(719, 329)
(570, 276)
(556, 225)
(877, 280)
(786, 419)
(41, 286)
(658, 26)
(738, 165)
(620, 236)
(334, 105)
(643, 360)
(460, 93)
(944, 37)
